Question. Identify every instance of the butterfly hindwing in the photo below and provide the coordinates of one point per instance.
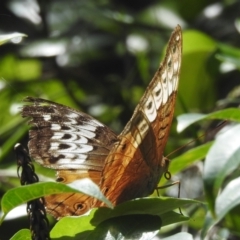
(71, 204)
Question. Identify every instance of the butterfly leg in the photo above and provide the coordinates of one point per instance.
(169, 185)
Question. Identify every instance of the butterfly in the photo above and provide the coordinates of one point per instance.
(78, 146)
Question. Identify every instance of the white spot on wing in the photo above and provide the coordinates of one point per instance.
(88, 127)
(175, 66)
(72, 115)
(71, 160)
(73, 148)
(175, 81)
(169, 69)
(55, 127)
(164, 75)
(140, 132)
(75, 137)
(149, 108)
(137, 139)
(86, 133)
(76, 129)
(57, 135)
(47, 117)
(165, 91)
(157, 94)
(170, 86)
(71, 121)
(143, 128)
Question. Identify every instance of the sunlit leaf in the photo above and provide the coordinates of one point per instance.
(19, 195)
(189, 157)
(23, 234)
(185, 120)
(11, 36)
(194, 78)
(123, 218)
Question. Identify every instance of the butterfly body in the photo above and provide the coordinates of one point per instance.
(126, 166)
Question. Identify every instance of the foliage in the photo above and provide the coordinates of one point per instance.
(99, 57)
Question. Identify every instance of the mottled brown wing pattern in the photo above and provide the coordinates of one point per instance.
(71, 142)
(63, 138)
(136, 161)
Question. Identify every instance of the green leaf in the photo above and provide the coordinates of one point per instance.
(230, 165)
(196, 41)
(20, 195)
(68, 227)
(225, 201)
(152, 206)
(229, 54)
(7, 37)
(228, 198)
(12, 67)
(186, 159)
(10, 142)
(23, 234)
(125, 218)
(127, 227)
(184, 120)
(197, 46)
(221, 160)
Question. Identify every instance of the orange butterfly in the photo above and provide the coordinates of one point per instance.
(78, 146)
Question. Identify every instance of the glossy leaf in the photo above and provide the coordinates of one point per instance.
(19, 195)
(228, 198)
(222, 159)
(140, 226)
(185, 120)
(186, 159)
(158, 211)
(23, 234)
(141, 206)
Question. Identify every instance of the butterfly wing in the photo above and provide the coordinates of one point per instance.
(71, 204)
(63, 138)
(73, 143)
(136, 161)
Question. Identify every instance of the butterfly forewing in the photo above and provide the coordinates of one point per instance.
(136, 160)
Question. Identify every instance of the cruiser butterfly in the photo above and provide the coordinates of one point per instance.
(126, 166)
